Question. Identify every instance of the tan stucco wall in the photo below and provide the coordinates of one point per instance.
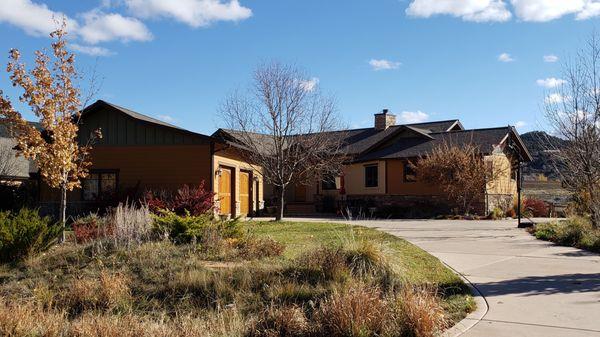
(231, 159)
(502, 174)
(354, 178)
(397, 185)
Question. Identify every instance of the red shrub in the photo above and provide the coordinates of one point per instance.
(195, 200)
(91, 228)
(537, 208)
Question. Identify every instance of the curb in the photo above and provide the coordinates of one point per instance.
(473, 317)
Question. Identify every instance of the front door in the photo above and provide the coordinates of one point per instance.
(244, 193)
(225, 191)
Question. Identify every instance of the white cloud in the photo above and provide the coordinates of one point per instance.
(550, 58)
(505, 57)
(196, 13)
(384, 64)
(520, 124)
(103, 27)
(547, 10)
(468, 10)
(310, 85)
(35, 19)
(555, 98)
(550, 82)
(590, 10)
(91, 50)
(497, 11)
(413, 117)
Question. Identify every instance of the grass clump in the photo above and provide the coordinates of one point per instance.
(575, 232)
(234, 281)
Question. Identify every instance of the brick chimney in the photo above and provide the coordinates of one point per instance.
(384, 120)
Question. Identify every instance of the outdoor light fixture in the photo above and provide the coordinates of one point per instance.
(218, 172)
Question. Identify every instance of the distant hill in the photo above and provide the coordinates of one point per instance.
(538, 143)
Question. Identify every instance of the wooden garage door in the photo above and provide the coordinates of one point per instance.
(244, 192)
(225, 189)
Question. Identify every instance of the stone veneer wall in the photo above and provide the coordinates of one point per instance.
(411, 205)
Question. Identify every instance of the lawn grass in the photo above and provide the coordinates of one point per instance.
(326, 272)
(412, 264)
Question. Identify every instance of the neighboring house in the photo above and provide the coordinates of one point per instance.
(138, 153)
(13, 169)
(379, 172)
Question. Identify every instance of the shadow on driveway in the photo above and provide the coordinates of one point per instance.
(543, 285)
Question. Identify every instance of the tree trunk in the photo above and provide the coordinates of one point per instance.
(63, 211)
(281, 205)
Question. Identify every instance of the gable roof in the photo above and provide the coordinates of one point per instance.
(485, 139)
(407, 140)
(138, 116)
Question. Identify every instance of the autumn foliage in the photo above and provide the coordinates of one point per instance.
(195, 200)
(459, 170)
(50, 91)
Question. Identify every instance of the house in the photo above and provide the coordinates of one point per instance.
(13, 169)
(379, 173)
(138, 153)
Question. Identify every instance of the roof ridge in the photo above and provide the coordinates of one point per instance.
(470, 130)
(433, 122)
(139, 113)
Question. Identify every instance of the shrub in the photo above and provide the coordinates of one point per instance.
(497, 213)
(421, 312)
(286, 321)
(109, 291)
(204, 228)
(195, 201)
(358, 310)
(25, 233)
(536, 207)
(256, 248)
(91, 227)
(366, 258)
(511, 213)
(182, 229)
(575, 232)
(131, 224)
(323, 263)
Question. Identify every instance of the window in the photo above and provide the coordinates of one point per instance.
(328, 183)
(371, 176)
(99, 184)
(410, 176)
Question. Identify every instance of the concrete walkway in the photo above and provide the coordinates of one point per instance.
(533, 288)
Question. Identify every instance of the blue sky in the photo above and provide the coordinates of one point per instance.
(486, 62)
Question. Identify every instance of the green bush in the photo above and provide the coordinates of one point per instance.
(25, 233)
(546, 231)
(189, 228)
(575, 232)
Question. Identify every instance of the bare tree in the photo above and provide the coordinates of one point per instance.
(574, 114)
(461, 171)
(284, 125)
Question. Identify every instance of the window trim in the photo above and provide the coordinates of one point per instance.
(332, 181)
(100, 172)
(404, 174)
(365, 167)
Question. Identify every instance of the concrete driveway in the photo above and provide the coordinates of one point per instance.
(533, 288)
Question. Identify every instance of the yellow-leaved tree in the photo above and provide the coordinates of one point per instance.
(50, 91)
